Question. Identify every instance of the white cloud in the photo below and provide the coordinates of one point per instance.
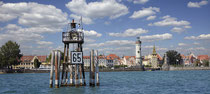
(157, 37)
(120, 42)
(19, 34)
(170, 21)
(177, 29)
(32, 20)
(187, 27)
(138, 1)
(162, 49)
(148, 46)
(182, 44)
(93, 10)
(200, 37)
(151, 17)
(37, 17)
(197, 48)
(88, 40)
(106, 22)
(145, 12)
(197, 4)
(113, 43)
(91, 33)
(129, 33)
(44, 42)
(196, 43)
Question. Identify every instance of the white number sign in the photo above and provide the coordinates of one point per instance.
(76, 57)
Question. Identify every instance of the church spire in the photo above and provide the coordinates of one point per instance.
(154, 51)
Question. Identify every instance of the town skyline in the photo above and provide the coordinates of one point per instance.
(110, 26)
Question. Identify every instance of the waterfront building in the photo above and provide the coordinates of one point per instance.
(112, 59)
(129, 61)
(152, 60)
(105, 61)
(201, 58)
(189, 59)
(86, 60)
(27, 62)
(102, 61)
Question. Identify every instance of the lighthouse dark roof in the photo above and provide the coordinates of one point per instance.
(138, 42)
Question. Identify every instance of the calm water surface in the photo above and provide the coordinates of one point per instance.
(150, 82)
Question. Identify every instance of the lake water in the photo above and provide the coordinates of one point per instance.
(148, 82)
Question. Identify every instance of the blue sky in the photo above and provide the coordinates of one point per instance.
(111, 26)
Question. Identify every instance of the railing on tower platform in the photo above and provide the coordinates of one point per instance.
(73, 37)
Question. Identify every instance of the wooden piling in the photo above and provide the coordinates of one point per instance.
(59, 64)
(71, 76)
(66, 76)
(80, 76)
(62, 76)
(90, 74)
(82, 69)
(83, 75)
(56, 70)
(92, 69)
(76, 76)
(97, 69)
(52, 69)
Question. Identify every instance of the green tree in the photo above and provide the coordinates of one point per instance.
(174, 57)
(37, 63)
(10, 54)
(1, 64)
(205, 63)
(197, 62)
(50, 56)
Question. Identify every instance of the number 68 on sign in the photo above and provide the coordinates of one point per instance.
(76, 57)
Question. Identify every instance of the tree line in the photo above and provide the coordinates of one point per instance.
(175, 59)
(10, 55)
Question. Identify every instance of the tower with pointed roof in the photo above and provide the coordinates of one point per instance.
(154, 51)
(154, 60)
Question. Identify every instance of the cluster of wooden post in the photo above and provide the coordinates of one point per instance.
(94, 68)
(71, 74)
(55, 63)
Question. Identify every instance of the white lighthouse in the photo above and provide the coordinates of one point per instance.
(138, 52)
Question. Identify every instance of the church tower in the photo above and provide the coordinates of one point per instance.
(138, 52)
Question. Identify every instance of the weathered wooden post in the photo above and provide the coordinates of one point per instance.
(92, 69)
(83, 75)
(71, 76)
(80, 73)
(90, 74)
(97, 69)
(76, 76)
(62, 76)
(57, 65)
(66, 65)
(52, 69)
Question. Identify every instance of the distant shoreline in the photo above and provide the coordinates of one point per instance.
(105, 70)
(188, 68)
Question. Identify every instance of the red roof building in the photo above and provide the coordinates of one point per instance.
(203, 57)
(112, 57)
(29, 58)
